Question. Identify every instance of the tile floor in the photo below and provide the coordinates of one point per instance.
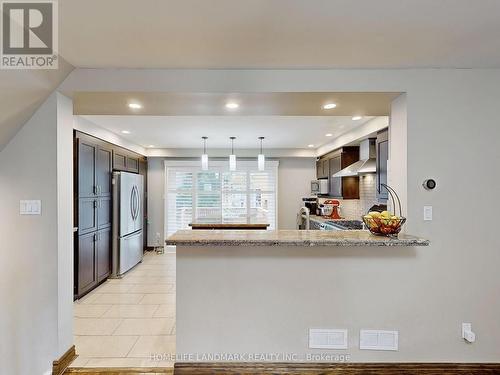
(123, 322)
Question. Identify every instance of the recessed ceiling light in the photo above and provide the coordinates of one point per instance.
(329, 135)
(134, 106)
(329, 106)
(151, 146)
(125, 132)
(232, 105)
(356, 118)
(310, 145)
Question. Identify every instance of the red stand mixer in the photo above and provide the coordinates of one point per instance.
(335, 208)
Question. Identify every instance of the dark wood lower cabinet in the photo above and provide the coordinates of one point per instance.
(103, 258)
(86, 277)
(93, 260)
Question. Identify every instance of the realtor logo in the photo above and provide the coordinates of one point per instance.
(29, 35)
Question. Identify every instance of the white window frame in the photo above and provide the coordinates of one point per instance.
(220, 166)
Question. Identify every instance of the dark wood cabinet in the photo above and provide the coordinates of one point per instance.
(132, 164)
(104, 170)
(86, 260)
(382, 157)
(335, 166)
(87, 215)
(119, 161)
(104, 214)
(322, 168)
(335, 161)
(87, 154)
(103, 257)
(94, 163)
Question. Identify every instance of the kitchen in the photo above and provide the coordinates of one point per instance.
(264, 158)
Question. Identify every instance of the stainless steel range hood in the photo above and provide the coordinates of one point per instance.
(367, 160)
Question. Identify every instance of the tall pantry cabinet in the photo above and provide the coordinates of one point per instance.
(94, 163)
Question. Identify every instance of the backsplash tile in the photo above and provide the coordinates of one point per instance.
(355, 208)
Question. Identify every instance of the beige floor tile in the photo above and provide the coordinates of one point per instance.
(153, 345)
(164, 311)
(151, 326)
(127, 362)
(113, 288)
(81, 310)
(158, 273)
(117, 299)
(104, 346)
(88, 298)
(131, 311)
(95, 326)
(79, 361)
(152, 288)
(158, 299)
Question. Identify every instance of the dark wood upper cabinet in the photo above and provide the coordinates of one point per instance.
(335, 166)
(104, 170)
(382, 157)
(333, 162)
(87, 154)
(133, 164)
(119, 161)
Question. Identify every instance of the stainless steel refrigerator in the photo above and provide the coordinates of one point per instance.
(127, 222)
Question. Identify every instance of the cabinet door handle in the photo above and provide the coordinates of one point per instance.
(95, 237)
(95, 204)
(95, 189)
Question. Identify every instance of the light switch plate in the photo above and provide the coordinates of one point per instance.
(30, 207)
(428, 213)
(327, 338)
(378, 340)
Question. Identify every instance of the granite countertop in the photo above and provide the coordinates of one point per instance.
(289, 238)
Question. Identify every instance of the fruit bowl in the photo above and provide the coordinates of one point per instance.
(383, 224)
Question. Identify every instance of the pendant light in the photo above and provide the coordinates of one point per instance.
(204, 156)
(261, 159)
(232, 157)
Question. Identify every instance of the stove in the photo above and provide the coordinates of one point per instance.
(344, 224)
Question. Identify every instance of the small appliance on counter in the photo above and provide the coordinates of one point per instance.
(319, 187)
(334, 208)
(311, 203)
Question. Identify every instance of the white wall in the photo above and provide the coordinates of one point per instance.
(36, 254)
(294, 182)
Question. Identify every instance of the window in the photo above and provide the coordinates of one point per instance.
(218, 195)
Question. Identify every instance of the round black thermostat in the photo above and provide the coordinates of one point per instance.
(429, 184)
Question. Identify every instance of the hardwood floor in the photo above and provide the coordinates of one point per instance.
(119, 371)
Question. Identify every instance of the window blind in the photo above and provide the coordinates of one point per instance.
(220, 196)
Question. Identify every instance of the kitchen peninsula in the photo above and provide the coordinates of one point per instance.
(271, 287)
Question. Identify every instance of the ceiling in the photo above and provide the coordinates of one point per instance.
(213, 104)
(186, 131)
(280, 33)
